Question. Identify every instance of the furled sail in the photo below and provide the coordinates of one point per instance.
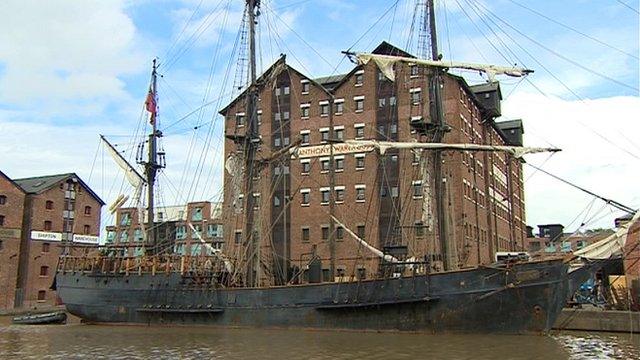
(383, 146)
(216, 252)
(133, 177)
(375, 251)
(386, 62)
(609, 247)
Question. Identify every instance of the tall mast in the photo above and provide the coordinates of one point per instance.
(440, 180)
(152, 165)
(251, 141)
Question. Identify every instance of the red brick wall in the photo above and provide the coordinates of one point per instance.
(10, 237)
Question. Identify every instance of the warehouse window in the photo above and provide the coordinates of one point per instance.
(325, 232)
(305, 234)
(87, 229)
(3, 199)
(44, 270)
(87, 210)
(49, 205)
(42, 295)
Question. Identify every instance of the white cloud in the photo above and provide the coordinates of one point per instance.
(588, 160)
(65, 50)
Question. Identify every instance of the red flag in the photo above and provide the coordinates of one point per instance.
(151, 106)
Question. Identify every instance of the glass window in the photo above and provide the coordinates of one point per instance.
(416, 97)
(360, 105)
(305, 139)
(111, 236)
(49, 205)
(339, 232)
(360, 231)
(339, 164)
(339, 108)
(359, 163)
(238, 237)
(286, 90)
(305, 87)
(3, 199)
(392, 101)
(340, 134)
(324, 109)
(340, 195)
(276, 201)
(325, 196)
(305, 234)
(325, 232)
(359, 79)
(324, 135)
(214, 230)
(360, 194)
(181, 232)
(414, 70)
(276, 141)
(197, 214)
(324, 165)
(304, 112)
(382, 102)
(306, 198)
(419, 229)
(306, 167)
(240, 120)
(87, 210)
(137, 235)
(126, 219)
(417, 190)
(393, 128)
(124, 236)
(360, 132)
(394, 191)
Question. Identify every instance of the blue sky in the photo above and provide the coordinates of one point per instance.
(70, 70)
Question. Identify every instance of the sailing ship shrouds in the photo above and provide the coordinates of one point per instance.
(234, 287)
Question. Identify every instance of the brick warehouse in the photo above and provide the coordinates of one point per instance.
(38, 217)
(172, 228)
(381, 198)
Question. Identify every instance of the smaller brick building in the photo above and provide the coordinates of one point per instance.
(39, 218)
(173, 229)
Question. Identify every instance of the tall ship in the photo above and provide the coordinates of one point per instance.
(387, 198)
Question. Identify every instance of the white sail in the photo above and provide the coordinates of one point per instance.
(375, 251)
(386, 62)
(383, 146)
(609, 247)
(133, 177)
(216, 252)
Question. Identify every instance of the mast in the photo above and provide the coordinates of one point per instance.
(152, 165)
(251, 141)
(449, 260)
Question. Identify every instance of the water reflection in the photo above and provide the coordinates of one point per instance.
(139, 342)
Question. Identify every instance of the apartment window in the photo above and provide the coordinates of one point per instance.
(125, 220)
(394, 191)
(393, 128)
(124, 236)
(325, 196)
(359, 103)
(45, 247)
(277, 117)
(304, 111)
(276, 141)
(42, 295)
(3, 199)
(339, 233)
(181, 232)
(49, 205)
(1, 220)
(339, 134)
(324, 109)
(419, 228)
(87, 229)
(339, 194)
(305, 138)
(137, 235)
(47, 225)
(238, 237)
(325, 232)
(339, 106)
(414, 70)
(415, 96)
(359, 77)
(382, 102)
(417, 189)
(339, 163)
(285, 115)
(305, 86)
(286, 90)
(306, 167)
(285, 141)
(359, 161)
(197, 214)
(67, 225)
(393, 101)
(305, 234)
(359, 131)
(360, 231)
(240, 120)
(360, 191)
(87, 210)
(305, 196)
(44, 270)
(324, 134)
(324, 164)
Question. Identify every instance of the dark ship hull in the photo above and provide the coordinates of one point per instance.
(524, 298)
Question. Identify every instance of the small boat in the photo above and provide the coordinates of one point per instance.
(58, 317)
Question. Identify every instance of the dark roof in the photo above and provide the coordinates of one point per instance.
(510, 124)
(39, 184)
(331, 82)
(486, 87)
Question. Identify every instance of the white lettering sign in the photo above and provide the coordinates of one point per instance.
(86, 239)
(48, 236)
(325, 150)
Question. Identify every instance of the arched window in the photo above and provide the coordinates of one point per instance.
(87, 210)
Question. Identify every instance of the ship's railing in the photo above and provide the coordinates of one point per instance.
(155, 264)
